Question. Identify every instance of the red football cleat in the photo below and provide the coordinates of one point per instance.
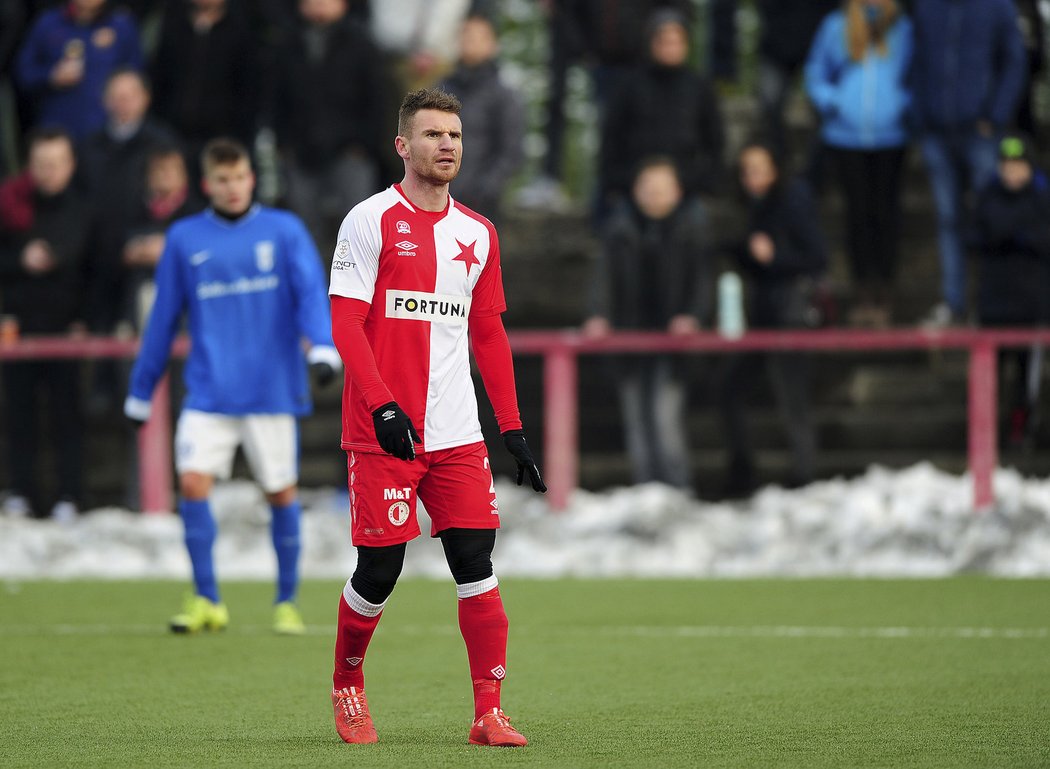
(493, 728)
(352, 720)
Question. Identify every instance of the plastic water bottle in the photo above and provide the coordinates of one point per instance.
(731, 322)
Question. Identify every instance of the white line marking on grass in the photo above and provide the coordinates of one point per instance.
(630, 631)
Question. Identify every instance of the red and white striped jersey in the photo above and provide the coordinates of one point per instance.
(425, 274)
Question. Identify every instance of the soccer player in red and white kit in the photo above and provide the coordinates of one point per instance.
(413, 272)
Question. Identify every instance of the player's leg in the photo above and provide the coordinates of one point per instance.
(271, 446)
(461, 500)
(204, 448)
(382, 521)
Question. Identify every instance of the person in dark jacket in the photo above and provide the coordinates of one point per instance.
(653, 275)
(663, 107)
(967, 76)
(493, 118)
(66, 59)
(113, 170)
(328, 109)
(205, 73)
(780, 255)
(1013, 245)
(44, 225)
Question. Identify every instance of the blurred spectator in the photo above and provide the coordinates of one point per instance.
(205, 73)
(1033, 34)
(1013, 244)
(618, 36)
(856, 77)
(113, 169)
(968, 74)
(663, 107)
(419, 37)
(329, 105)
(66, 59)
(168, 196)
(653, 275)
(782, 252)
(44, 225)
(493, 120)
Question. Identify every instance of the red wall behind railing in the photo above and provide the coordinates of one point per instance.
(561, 350)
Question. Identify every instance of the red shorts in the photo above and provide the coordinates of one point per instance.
(454, 485)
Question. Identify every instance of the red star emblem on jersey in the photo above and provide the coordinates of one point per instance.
(466, 255)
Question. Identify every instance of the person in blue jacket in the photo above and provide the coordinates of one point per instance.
(968, 74)
(66, 59)
(856, 77)
(250, 281)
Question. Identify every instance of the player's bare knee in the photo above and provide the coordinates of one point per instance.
(283, 497)
(195, 486)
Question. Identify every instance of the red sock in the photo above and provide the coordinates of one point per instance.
(356, 626)
(483, 623)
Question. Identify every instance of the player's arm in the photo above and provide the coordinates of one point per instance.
(163, 324)
(395, 432)
(355, 268)
(491, 348)
(311, 304)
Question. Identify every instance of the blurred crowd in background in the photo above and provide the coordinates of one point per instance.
(106, 106)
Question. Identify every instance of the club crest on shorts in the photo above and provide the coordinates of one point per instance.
(398, 513)
(264, 255)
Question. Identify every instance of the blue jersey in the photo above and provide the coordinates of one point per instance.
(252, 289)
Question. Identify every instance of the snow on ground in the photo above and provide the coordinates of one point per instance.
(916, 522)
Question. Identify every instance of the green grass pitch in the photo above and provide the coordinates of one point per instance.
(777, 673)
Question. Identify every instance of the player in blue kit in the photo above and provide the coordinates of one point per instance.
(251, 283)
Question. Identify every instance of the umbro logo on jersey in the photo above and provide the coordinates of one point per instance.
(406, 248)
(200, 258)
(403, 228)
(419, 305)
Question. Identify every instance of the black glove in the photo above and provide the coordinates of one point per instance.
(514, 440)
(395, 432)
(322, 373)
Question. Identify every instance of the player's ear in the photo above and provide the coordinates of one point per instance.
(401, 145)
(205, 187)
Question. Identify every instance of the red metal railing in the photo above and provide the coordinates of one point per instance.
(561, 350)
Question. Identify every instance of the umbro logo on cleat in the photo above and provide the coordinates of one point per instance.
(499, 671)
(354, 661)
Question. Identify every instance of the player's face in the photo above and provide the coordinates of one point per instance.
(434, 149)
(229, 186)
